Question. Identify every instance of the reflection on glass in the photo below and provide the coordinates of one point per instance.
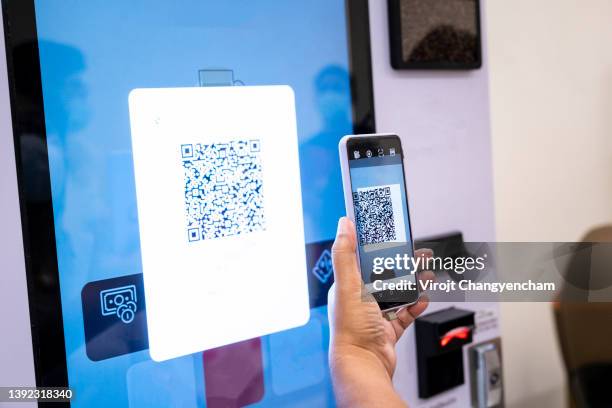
(321, 178)
(92, 54)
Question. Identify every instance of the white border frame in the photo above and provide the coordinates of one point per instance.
(16, 352)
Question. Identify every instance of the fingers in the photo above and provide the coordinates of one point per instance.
(406, 316)
(419, 307)
(426, 276)
(423, 252)
(344, 258)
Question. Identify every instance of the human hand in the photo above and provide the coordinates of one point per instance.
(359, 332)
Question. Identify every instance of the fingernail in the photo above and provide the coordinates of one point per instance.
(342, 228)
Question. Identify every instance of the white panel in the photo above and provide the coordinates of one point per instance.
(242, 191)
(16, 359)
(443, 120)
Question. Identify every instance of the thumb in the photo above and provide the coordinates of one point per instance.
(344, 258)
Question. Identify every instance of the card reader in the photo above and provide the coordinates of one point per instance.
(486, 375)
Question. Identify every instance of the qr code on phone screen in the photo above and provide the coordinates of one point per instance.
(223, 189)
(374, 215)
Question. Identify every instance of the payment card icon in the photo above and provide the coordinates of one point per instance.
(119, 301)
(114, 316)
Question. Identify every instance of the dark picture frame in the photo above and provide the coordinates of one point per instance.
(454, 43)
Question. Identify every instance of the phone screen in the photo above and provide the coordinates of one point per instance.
(382, 219)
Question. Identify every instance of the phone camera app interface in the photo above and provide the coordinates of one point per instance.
(381, 212)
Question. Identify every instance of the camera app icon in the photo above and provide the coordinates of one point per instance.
(121, 302)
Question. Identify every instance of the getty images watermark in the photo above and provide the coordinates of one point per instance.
(404, 262)
(455, 265)
(498, 271)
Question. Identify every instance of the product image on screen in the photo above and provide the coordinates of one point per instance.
(435, 34)
(381, 210)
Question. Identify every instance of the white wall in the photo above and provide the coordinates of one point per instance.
(443, 120)
(551, 103)
(16, 360)
(551, 108)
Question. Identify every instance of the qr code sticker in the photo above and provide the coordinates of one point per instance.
(374, 216)
(223, 189)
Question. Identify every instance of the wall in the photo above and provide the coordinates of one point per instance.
(16, 362)
(443, 120)
(551, 102)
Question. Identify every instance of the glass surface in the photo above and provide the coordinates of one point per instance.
(92, 55)
(381, 214)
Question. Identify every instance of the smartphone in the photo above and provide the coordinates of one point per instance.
(376, 200)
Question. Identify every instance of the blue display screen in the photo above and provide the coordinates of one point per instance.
(92, 54)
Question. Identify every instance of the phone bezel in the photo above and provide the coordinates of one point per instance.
(346, 146)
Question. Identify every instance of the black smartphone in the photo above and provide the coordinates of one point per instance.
(376, 200)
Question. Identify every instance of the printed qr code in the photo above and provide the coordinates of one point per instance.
(374, 216)
(223, 189)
